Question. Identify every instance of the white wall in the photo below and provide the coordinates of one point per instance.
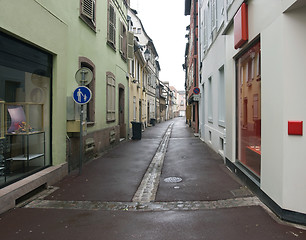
(294, 78)
(283, 79)
(213, 59)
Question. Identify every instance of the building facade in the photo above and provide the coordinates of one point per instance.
(181, 103)
(191, 63)
(252, 71)
(40, 123)
(211, 74)
(143, 72)
(32, 66)
(107, 112)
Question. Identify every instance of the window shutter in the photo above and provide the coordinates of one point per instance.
(111, 96)
(88, 8)
(123, 40)
(130, 50)
(112, 25)
(121, 37)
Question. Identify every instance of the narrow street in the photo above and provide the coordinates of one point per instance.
(168, 185)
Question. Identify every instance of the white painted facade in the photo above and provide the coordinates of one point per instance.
(211, 70)
(280, 28)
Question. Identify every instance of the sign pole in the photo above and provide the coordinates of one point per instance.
(81, 127)
(82, 95)
(81, 140)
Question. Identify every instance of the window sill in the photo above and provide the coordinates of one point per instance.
(88, 23)
(123, 57)
(90, 124)
(111, 45)
(221, 123)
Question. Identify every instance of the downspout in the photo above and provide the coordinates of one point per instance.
(195, 59)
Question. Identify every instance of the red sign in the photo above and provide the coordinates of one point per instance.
(295, 128)
(196, 90)
(241, 33)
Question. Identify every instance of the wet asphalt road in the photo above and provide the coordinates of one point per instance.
(209, 202)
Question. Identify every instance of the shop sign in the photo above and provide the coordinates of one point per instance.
(241, 26)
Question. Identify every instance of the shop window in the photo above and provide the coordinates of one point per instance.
(88, 12)
(110, 97)
(249, 112)
(111, 30)
(90, 107)
(25, 112)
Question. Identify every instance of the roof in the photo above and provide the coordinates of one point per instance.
(150, 41)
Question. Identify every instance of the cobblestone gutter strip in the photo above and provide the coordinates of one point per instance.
(148, 206)
(147, 189)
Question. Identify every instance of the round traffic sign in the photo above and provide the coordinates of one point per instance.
(82, 95)
(83, 76)
(196, 90)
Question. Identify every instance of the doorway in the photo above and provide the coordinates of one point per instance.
(121, 101)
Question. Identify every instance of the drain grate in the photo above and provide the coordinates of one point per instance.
(173, 179)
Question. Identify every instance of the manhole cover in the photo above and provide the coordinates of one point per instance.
(173, 179)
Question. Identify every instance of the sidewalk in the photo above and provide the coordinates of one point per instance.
(208, 203)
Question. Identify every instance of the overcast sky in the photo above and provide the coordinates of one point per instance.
(165, 23)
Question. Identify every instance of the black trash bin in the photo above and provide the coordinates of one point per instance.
(136, 128)
(152, 121)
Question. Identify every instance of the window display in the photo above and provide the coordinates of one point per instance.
(249, 109)
(25, 100)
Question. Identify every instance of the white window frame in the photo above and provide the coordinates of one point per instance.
(221, 98)
(210, 100)
(123, 40)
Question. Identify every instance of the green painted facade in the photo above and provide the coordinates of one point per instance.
(57, 28)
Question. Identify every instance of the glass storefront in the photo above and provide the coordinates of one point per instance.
(249, 109)
(25, 104)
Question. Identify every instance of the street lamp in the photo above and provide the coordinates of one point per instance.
(147, 55)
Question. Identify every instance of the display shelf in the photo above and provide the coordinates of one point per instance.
(23, 117)
(25, 157)
(256, 149)
(27, 147)
(24, 133)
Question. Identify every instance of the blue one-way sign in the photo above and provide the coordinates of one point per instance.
(82, 95)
